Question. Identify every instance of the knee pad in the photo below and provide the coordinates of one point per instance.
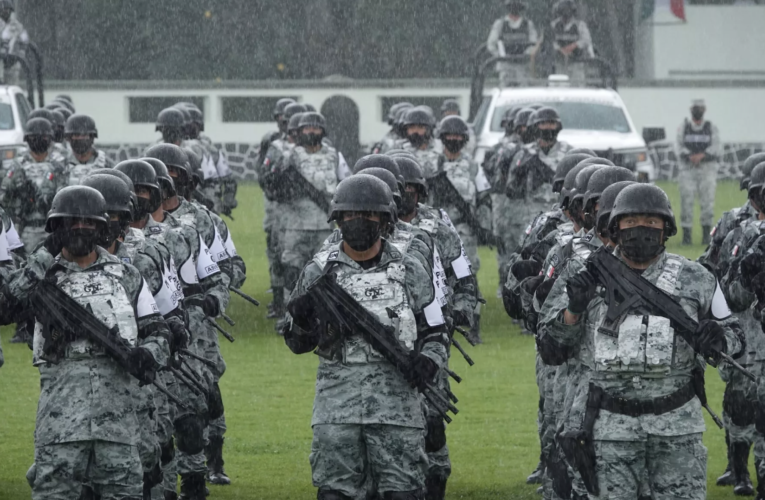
(291, 275)
(403, 495)
(168, 452)
(214, 402)
(189, 434)
(327, 494)
(435, 438)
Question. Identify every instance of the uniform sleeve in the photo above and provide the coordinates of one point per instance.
(494, 34)
(715, 149)
(432, 339)
(585, 39)
(713, 305)
(298, 340)
(152, 331)
(533, 36)
(551, 315)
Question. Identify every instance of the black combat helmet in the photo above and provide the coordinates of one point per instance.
(38, 127)
(77, 202)
(748, 166)
(362, 193)
(163, 176)
(581, 150)
(569, 185)
(756, 183)
(521, 125)
(142, 175)
(450, 106)
(599, 181)
(196, 117)
(313, 119)
(58, 125)
(309, 107)
(564, 167)
(393, 111)
(294, 124)
(293, 109)
(195, 165)
(65, 104)
(64, 97)
(64, 111)
(543, 115)
(642, 199)
(124, 178)
(564, 8)
(418, 115)
(515, 6)
(280, 105)
(389, 179)
(188, 124)
(508, 119)
(174, 158)
(379, 161)
(606, 202)
(453, 125)
(41, 113)
(116, 192)
(580, 185)
(170, 118)
(412, 173)
(79, 124)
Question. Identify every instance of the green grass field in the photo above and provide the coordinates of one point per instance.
(268, 393)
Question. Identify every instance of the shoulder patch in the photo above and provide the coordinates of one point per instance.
(333, 255)
(126, 260)
(554, 260)
(155, 229)
(588, 237)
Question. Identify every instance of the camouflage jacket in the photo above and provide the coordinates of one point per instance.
(361, 387)
(636, 367)
(320, 170)
(712, 258)
(532, 171)
(427, 158)
(469, 180)
(77, 171)
(497, 161)
(87, 396)
(29, 188)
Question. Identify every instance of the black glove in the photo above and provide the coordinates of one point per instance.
(461, 318)
(152, 477)
(179, 337)
(303, 311)
(210, 306)
(141, 364)
(530, 285)
(710, 340)
(525, 268)
(423, 369)
(581, 290)
(54, 243)
(751, 265)
(758, 287)
(543, 290)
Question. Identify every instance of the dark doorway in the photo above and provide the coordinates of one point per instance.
(342, 115)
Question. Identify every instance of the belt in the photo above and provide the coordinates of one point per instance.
(655, 406)
(193, 301)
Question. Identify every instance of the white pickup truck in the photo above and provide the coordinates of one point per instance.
(14, 110)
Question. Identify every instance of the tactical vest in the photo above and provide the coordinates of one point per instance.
(78, 171)
(102, 290)
(697, 141)
(37, 173)
(568, 36)
(377, 290)
(133, 243)
(516, 40)
(645, 345)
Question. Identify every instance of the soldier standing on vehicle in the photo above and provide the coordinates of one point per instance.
(69, 449)
(81, 132)
(572, 40)
(638, 415)
(367, 418)
(513, 35)
(14, 39)
(699, 152)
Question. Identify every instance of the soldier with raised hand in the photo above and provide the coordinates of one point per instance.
(369, 418)
(643, 418)
(80, 131)
(699, 152)
(513, 35)
(69, 450)
(418, 125)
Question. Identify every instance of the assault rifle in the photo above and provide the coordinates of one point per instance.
(65, 319)
(342, 314)
(448, 195)
(628, 291)
(287, 184)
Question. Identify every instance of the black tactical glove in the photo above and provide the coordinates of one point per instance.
(462, 318)
(751, 265)
(757, 286)
(210, 306)
(303, 311)
(423, 369)
(581, 290)
(54, 243)
(179, 337)
(141, 364)
(152, 478)
(710, 340)
(543, 290)
(525, 268)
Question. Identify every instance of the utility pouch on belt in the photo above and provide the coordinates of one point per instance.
(558, 470)
(578, 446)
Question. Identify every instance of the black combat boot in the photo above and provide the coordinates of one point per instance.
(706, 235)
(740, 458)
(537, 475)
(171, 495)
(193, 486)
(760, 485)
(435, 488)
(727, 479)
(214, 454)
(687, 237)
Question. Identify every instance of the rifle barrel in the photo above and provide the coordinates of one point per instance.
(465, 355)
(737, 366)
(198, 358)
(244, 296)
(453, 375)
(227, 319)
(464, 334)
(714, 416)
(188, 383)
(170, 396)
(223, 332)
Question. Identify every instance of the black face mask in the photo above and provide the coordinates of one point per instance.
(548, 135)
(172, 135)
(640, 243)
(310, 140)
(697, 113)
(408, 203)
(79, 242)
(114, 230)
(575, 212)
(453, 146)
(38, 144)
(417, 140)
(360, 233)
(144, 207)
(81, 146)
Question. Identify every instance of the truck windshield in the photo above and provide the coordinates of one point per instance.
(6, 117)
(578, 116)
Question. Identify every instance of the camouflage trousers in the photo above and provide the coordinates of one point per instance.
(113, 470)
(697, 181)
(676, 467)
(509, 226)
(32, 236)
(344, 455)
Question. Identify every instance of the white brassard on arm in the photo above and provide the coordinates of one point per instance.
(14, 241)
(719, 308)
(481, 182)
(229, 244)
(461, 265)
(223, 168)
(218, 249)
(146, 306)
(206, 266)
(5, 251)
(343, 170)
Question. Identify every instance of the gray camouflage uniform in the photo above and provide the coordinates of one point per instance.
(15, 40)
(701, 179)
(711, 258)
(76, 171)
(512, 38)
(427, 158)
(366, 417)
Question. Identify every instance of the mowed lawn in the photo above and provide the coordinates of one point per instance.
(268, 393)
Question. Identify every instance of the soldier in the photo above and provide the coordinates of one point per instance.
(388, 442)
(171, 124)
(469, 180)
(304, 221)
(699, 152)
(643, 419)
(69, 451)
(81, 131)
(14, 39)
(418, 125)
(513, 35)
(58, 151)
(533, 167)
(572, 40)
(393, 136)
(451, 107)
